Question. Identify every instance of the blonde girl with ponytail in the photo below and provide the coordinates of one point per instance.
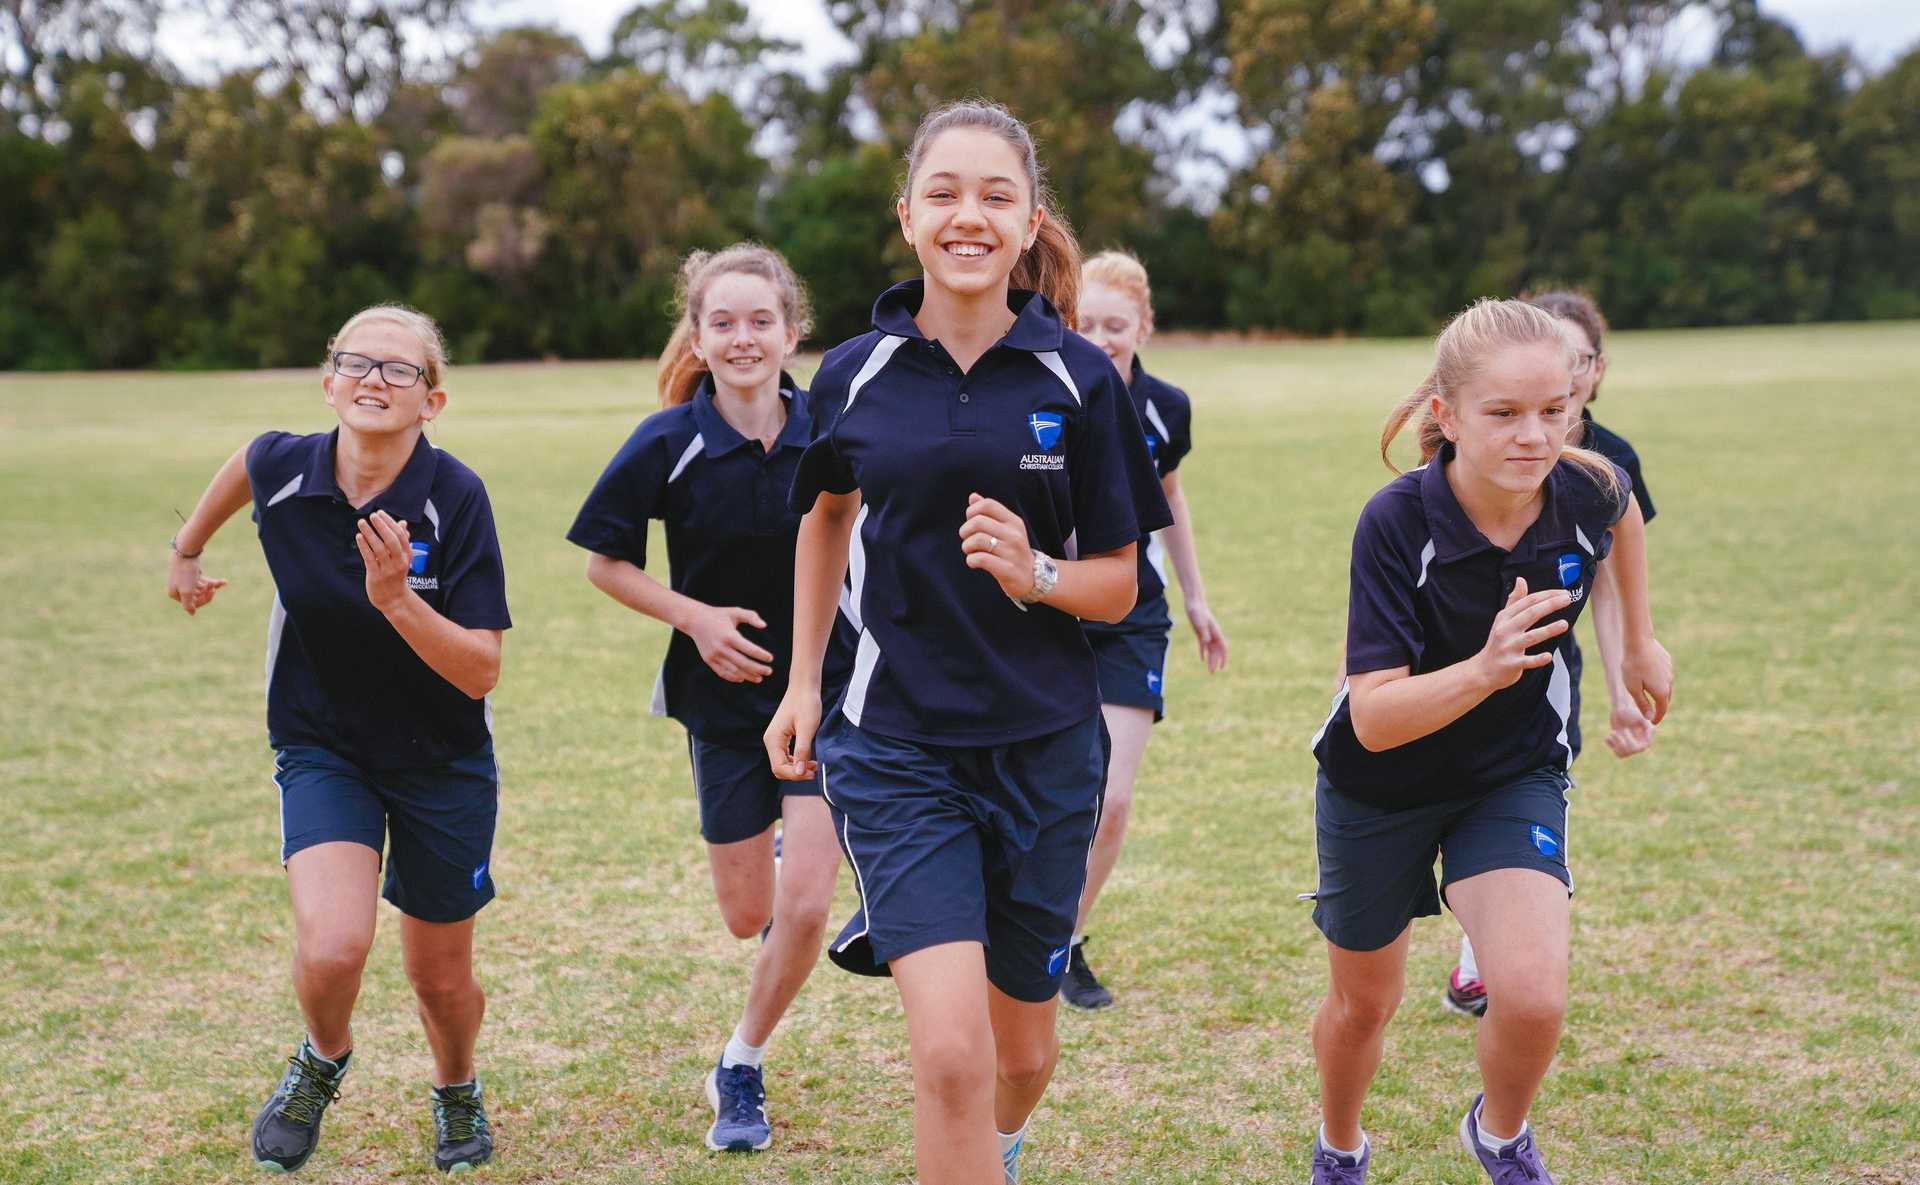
(714, 464)
(977, 483)
(1448, 737)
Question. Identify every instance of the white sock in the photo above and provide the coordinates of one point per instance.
(1077, 940)
(1356, 1154)
(1492, 1143)
(739, 1053)
(1010, 1140)
(1469, 966)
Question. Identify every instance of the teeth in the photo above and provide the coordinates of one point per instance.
(968, 249)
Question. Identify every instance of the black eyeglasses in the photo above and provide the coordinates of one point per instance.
(393, 372)
(1583, 361)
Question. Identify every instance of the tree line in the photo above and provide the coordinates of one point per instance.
(1406, 156)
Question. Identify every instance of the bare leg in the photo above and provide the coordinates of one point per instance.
(439, 959)
(743, 882)
(810, 863)
(1026, 1049)
(1364, 988)
(335, 888)
(1518, 920)
(1129, 729)
(944, 991)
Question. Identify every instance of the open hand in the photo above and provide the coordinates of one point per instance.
(190, 586)
(1211, 638)
(716, 631)
(1505, 657)
(387, 552)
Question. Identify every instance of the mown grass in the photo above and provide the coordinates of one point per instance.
(1747, 934)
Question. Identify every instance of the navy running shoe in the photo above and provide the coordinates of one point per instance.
(1081, 987)
(739, 1101)
(1517, 1163)
(287, 1129)
(1335, 1168)
(461, 1138)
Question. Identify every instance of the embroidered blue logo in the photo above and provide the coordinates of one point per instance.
(1570, 567)
(1544, 840)
(1046, 429)
(1057, 960)
(1153, 682)
(1153, 446)
(418, 565)
(480, 874)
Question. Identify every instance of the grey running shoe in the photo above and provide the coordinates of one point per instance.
(287, 1129)
(461, 1138)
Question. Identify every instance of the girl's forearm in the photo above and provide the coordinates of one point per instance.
(467, 658)
(225, 496)
(1393, 708)
(1100, 587)
(1180, 545)
(819, 568)
(629, 584)
(1628, 560)
(1607, 630)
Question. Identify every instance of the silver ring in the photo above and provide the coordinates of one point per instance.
(993, 543)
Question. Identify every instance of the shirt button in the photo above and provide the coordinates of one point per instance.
(963, 396)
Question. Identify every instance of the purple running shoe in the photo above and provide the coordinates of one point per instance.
(1518, 1163)
(1332, 1168)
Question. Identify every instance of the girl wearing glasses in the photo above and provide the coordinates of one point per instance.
(1628, 729)
(383, 645)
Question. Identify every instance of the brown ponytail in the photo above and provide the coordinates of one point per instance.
(1051, 266)
(1460, 353)
(680, 368)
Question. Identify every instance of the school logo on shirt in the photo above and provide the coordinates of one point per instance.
(1057, 960)
(1570, 568)
(418, 565)
(1153, 447)
(1046, 429)
(1544, 840)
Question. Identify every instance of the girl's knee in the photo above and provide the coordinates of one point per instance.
(1024, 1065)
(952, 1073)
(332, 956)
(1363, 1010)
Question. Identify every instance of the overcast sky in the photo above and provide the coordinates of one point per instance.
(1878, 30)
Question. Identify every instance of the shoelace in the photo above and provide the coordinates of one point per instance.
(1524, 1164)
(1337, 1167)
(459, 1116)
(308, 1091)
(742, 1092)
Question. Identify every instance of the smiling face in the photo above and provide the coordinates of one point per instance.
(370, 405)
(1111, 319)
(969, 211)
(742, 335)
(1509, 423)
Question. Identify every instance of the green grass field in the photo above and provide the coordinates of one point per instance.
(1746, 988)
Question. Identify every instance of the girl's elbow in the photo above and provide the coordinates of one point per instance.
(1366, 730)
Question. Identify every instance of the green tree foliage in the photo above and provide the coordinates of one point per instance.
(1405, 157)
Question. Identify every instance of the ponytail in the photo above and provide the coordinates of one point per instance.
(1051, 266)
(680, 368)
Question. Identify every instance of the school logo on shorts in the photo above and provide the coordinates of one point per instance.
(418, 565)
(480, 874)
(1545, 841)
(1057, 960)
(1153, 682)
(1046, 429)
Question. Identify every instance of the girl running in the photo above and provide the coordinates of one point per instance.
(1116, 314)
(978, 475)
(715, 465)
(1449, 736)
(1628, 730)
(382, 648)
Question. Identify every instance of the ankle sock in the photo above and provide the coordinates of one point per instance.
(1492, 1143)
(1355, 1154)
(1469, 966)
(1010, 1140)
(739, 1053)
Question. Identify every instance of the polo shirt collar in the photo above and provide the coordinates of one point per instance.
(405, 499)
(1036, 323)
(720, 438)
(1455, 536)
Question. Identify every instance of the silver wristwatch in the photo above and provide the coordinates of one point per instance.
(1046, 574)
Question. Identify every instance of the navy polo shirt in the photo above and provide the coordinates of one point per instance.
(1166, 420)
(730, 542)
(338, 674)
(1614, 447)
(1426, 586)
(1041, 423)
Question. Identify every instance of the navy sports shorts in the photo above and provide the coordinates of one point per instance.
(982, 843)
(739, 796)
(1376, 863)
(1131, 665)
(435, 823)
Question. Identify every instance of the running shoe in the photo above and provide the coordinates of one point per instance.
(1468, 998)
(287, 1129)
(739, 1101)
(1518, 1163)
(1082, 988)
(461, 1138)
(1333, 1168)
(1010, 1159)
